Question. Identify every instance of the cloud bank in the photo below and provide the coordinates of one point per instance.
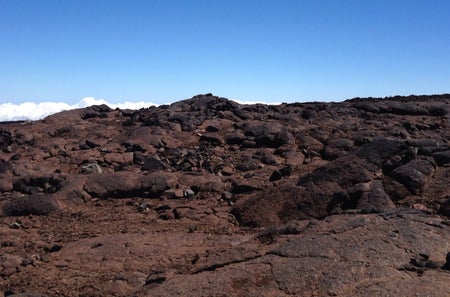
(36, 111)
(244, 102)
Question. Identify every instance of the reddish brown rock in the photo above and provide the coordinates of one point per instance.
(223, 199)
(125, 184)
(30, 205)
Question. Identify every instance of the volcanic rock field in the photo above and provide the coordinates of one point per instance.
(208, 197)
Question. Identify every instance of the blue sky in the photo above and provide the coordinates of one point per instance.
(253, 50)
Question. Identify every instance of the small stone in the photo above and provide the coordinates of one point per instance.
(444, 209)
(91, 143)
(227, 171)
(212, 138)
(152, 164)
(276, 175)
(61, 264)
(120, 277)
(91, 168)
(167, 216)
(156, 277)
(7, 244)
(53, 248)
(188, 193)
(144, 207)
(15, 225)
(44, 258)
(211, 129)
(424, 256)
(418, 262)
(138, 158)
(227, 196)
(9, 271)
(248, 175)
(431, 265)
(96, 245)
(26, 262)
(162, 208)
(447, 262)
(286, 171)
(178, 193)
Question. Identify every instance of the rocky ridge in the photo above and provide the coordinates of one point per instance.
(207, 197)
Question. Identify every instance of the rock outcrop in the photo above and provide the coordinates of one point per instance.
(208, 197)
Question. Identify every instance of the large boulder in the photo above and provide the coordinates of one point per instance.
(268, 208)
(370, 197)
(267, 135)
(383, 152)
(315, 195)
(39, 204)
(415, 174)
(125, 184)
(345, 171)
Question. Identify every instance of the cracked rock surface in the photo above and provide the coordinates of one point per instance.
(207, 197)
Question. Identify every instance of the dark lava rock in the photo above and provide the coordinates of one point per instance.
(447, 262)
(30, 205)
(269, 208)
(95, 111)
(381, 149)
(233, 139)
(266, 135)
(212, 138)
(248, 164)
(345, 171)
(444, 209)
(414, 175)
(374, 199)
(5, 166)
(151, 164)
(125, 184)
(6, 139)
(442, 158)
(265, 157)
(276, 175)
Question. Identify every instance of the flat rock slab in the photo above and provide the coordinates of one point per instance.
(361, 255)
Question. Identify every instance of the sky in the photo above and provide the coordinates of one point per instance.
(59, 54)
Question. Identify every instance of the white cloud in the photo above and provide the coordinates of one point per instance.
(254, 102)
(30, 110)
(36, 111)
(89, 101)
